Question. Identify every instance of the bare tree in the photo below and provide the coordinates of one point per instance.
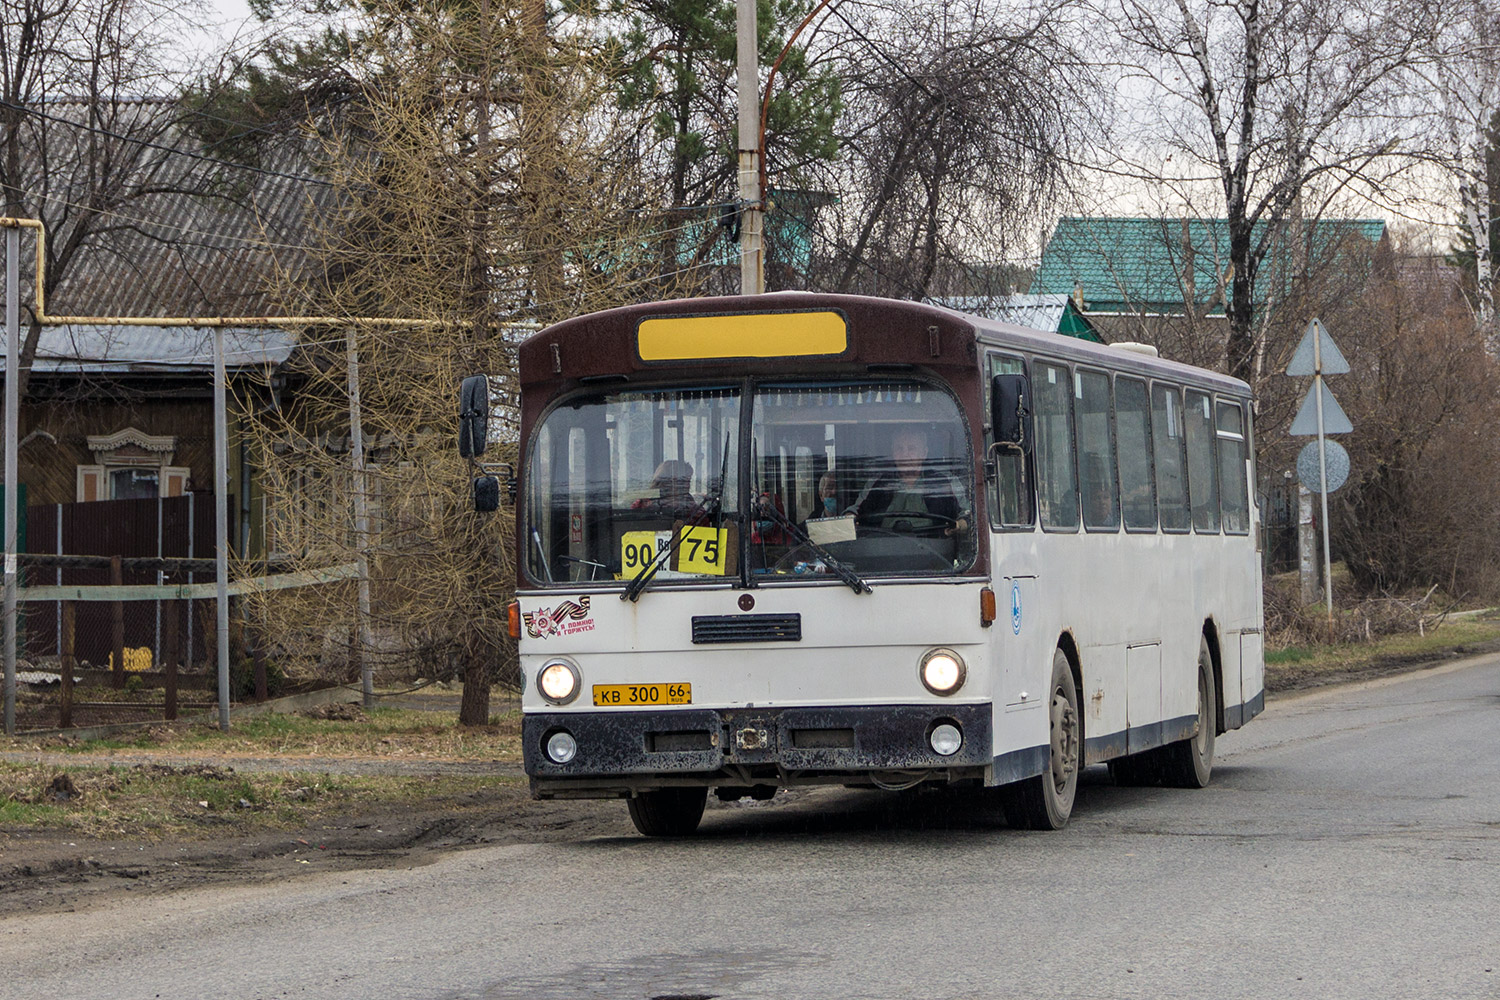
(1420, 507)
(1280, 107)
(482, 192)
(1464, 72)
(91, 140)
(957, 126)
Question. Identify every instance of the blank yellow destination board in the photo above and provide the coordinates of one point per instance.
(747, 335)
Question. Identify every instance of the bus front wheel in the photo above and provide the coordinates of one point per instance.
(1046, 801)
(1188, 763)
(668, 812)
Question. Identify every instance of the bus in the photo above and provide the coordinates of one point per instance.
(800, 539)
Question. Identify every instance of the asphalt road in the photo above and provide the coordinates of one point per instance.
(1349, 846)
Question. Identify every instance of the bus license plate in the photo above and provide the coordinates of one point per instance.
(643, 694)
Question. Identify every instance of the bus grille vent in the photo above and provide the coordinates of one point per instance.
(747, 628)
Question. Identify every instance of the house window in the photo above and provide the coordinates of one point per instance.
(131, 465)
(133, 484)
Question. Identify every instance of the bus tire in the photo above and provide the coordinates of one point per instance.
(668, 812)
(1045, 802)
(1189, 763)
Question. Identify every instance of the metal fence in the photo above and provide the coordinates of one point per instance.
(131, 635)
(1278, 526)
(105, 662)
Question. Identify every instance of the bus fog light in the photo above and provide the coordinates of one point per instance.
(942, 671)
(559, 681)
(562, 747)
(946, 739)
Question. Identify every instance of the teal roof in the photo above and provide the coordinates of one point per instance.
(1136, 265)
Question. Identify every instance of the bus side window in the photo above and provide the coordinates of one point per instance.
(1057, 480)
(1170, 451)
(1203, 473)
(1010, 492)
(1096, 452)
(1137, 482)
(1232, 477)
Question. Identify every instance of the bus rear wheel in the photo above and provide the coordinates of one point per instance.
(1188, 763)
(668, 812)
(1045, 802)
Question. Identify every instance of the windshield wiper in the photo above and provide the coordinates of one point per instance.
(768, 508)
(707, 509)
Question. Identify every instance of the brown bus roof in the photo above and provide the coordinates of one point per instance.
(882, 332)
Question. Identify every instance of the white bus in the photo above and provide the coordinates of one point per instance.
(815, 539)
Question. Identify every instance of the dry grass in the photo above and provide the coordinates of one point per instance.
(382, 733)
(1298, 664)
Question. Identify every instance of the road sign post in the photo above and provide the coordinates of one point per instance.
(1317, 355)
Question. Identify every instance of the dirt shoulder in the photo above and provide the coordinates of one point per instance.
(442, 796)
(1292, 678)
(47, 871)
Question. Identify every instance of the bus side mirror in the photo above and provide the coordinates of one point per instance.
(473, 416)
(486, 494)
(1010, 412)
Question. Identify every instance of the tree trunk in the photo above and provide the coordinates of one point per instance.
(474, 708)
(1239, 351)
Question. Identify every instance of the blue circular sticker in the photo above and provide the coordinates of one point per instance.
(1015, 607)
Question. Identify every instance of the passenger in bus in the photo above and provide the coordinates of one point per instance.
(673, 483)
(828, 496)
(912, 496)
(828, 500)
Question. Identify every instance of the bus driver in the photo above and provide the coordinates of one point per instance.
(912, 497)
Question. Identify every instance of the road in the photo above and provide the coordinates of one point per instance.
(1349, 846)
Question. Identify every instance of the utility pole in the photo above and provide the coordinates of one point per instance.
(221, 524)
(361, 526)
(12, 477)
(752, 211)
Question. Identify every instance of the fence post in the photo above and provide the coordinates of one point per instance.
(117, 577)
(65, 654)
(173, 651)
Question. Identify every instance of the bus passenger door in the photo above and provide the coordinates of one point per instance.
(1143, 696)
(1023, 686)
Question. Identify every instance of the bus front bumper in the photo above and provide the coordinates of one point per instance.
(621, 752)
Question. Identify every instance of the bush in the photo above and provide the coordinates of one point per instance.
(1290, 623)
(242, 678)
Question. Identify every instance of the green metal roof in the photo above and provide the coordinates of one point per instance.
(1137, 265)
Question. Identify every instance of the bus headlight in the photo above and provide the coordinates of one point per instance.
(945, 739)
(559, 681)
(562, 747)
(942, 671)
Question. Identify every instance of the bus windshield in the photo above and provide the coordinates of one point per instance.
(875, 473)
(871, 474)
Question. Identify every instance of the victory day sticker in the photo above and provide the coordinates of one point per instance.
(568, 618)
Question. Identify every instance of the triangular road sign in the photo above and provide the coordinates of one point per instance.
(1335, 421)
(1304, 359)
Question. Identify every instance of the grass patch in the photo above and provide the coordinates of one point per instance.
(1299, 661)
(154, 801)
(381, 732)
